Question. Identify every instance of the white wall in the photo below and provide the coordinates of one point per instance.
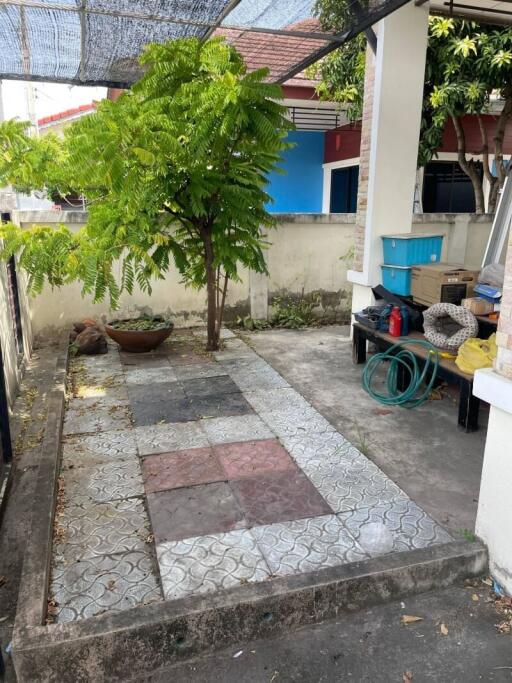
(305, 255)
(13, 370)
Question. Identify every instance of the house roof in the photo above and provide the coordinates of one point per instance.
(75, 112)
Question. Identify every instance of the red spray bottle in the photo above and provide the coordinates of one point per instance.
(395, 322)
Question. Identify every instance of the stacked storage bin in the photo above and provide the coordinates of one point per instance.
(403, 251)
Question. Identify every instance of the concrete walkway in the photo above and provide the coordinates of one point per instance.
(422, 450)
(370, 646)
(185, 473)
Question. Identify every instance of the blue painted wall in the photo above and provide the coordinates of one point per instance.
(299, 189)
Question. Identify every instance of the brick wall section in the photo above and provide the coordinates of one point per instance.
(364, 161)
(504, 334)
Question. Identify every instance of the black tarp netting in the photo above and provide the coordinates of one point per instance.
(97, 42)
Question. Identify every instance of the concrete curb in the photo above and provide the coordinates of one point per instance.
(33, 592)
(150, 637)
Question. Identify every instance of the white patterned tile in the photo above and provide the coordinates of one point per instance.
(393, 527)
(347, 489)
(235, 428)
(261, 379)
(329, 447)
(104, 482)
(306, 545)
(206, 564)
(141, 375)
(96, 418)
(176, 436)
(105, 583)
(291, 422)
(281, 399)
(102, 528)
(99, 448)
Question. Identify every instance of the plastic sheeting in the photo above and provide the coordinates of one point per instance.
(97, 42)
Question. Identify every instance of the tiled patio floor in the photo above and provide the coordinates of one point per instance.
(187, 473)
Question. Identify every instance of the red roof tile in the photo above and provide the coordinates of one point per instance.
(67, 113)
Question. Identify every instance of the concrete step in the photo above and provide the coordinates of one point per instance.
(112, 647)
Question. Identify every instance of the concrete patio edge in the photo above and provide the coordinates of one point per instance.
(156, 635)
(33, 592)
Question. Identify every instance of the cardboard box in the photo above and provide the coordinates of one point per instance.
(435, 283)
(478, 306)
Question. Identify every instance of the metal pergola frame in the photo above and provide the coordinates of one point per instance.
(328, 41)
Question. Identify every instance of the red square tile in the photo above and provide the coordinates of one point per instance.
(251, 458)
(181, 468)
(278, 497)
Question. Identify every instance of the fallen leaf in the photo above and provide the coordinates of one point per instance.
(443, 629)
(504, 627)
(383, 411)
(409, 619)
(475, 597)
(407, 677)
(3, 580)
(111, 585)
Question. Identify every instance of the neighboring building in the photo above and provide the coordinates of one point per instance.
(56, 123)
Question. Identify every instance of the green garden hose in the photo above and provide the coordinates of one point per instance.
(400, 357)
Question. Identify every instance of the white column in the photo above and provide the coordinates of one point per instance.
(258, 294)
(494, 518)
(399, 71)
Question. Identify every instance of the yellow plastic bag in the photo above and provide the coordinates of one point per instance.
(476, 353)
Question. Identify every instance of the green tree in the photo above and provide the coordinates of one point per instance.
(174, 171)
(468, 71)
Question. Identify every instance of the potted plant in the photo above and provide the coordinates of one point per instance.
(138, 335)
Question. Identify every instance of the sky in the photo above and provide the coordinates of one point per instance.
(50, 98)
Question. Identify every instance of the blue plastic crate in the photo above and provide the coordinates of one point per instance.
(411, 250)
(397, 279)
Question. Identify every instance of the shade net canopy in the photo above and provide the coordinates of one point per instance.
(98, 42)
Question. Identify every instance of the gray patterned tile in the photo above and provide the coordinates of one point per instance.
(141, 375)
(306, 545)
(170, 437)
(244, 364)
(393, 527)
(206, 564)
(98, 448)
(103, 362)
(235, 428)
(109, 582)
(235, 349)
(102, 528)
(96, 419)
(346, 489)
(199, 370)
(102, 483)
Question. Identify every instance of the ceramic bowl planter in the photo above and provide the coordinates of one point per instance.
(139, 335)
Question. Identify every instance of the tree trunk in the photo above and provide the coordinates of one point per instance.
(469, 167)
(213, 333)
(499, 135)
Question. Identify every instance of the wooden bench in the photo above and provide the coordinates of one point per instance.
(447, 370)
